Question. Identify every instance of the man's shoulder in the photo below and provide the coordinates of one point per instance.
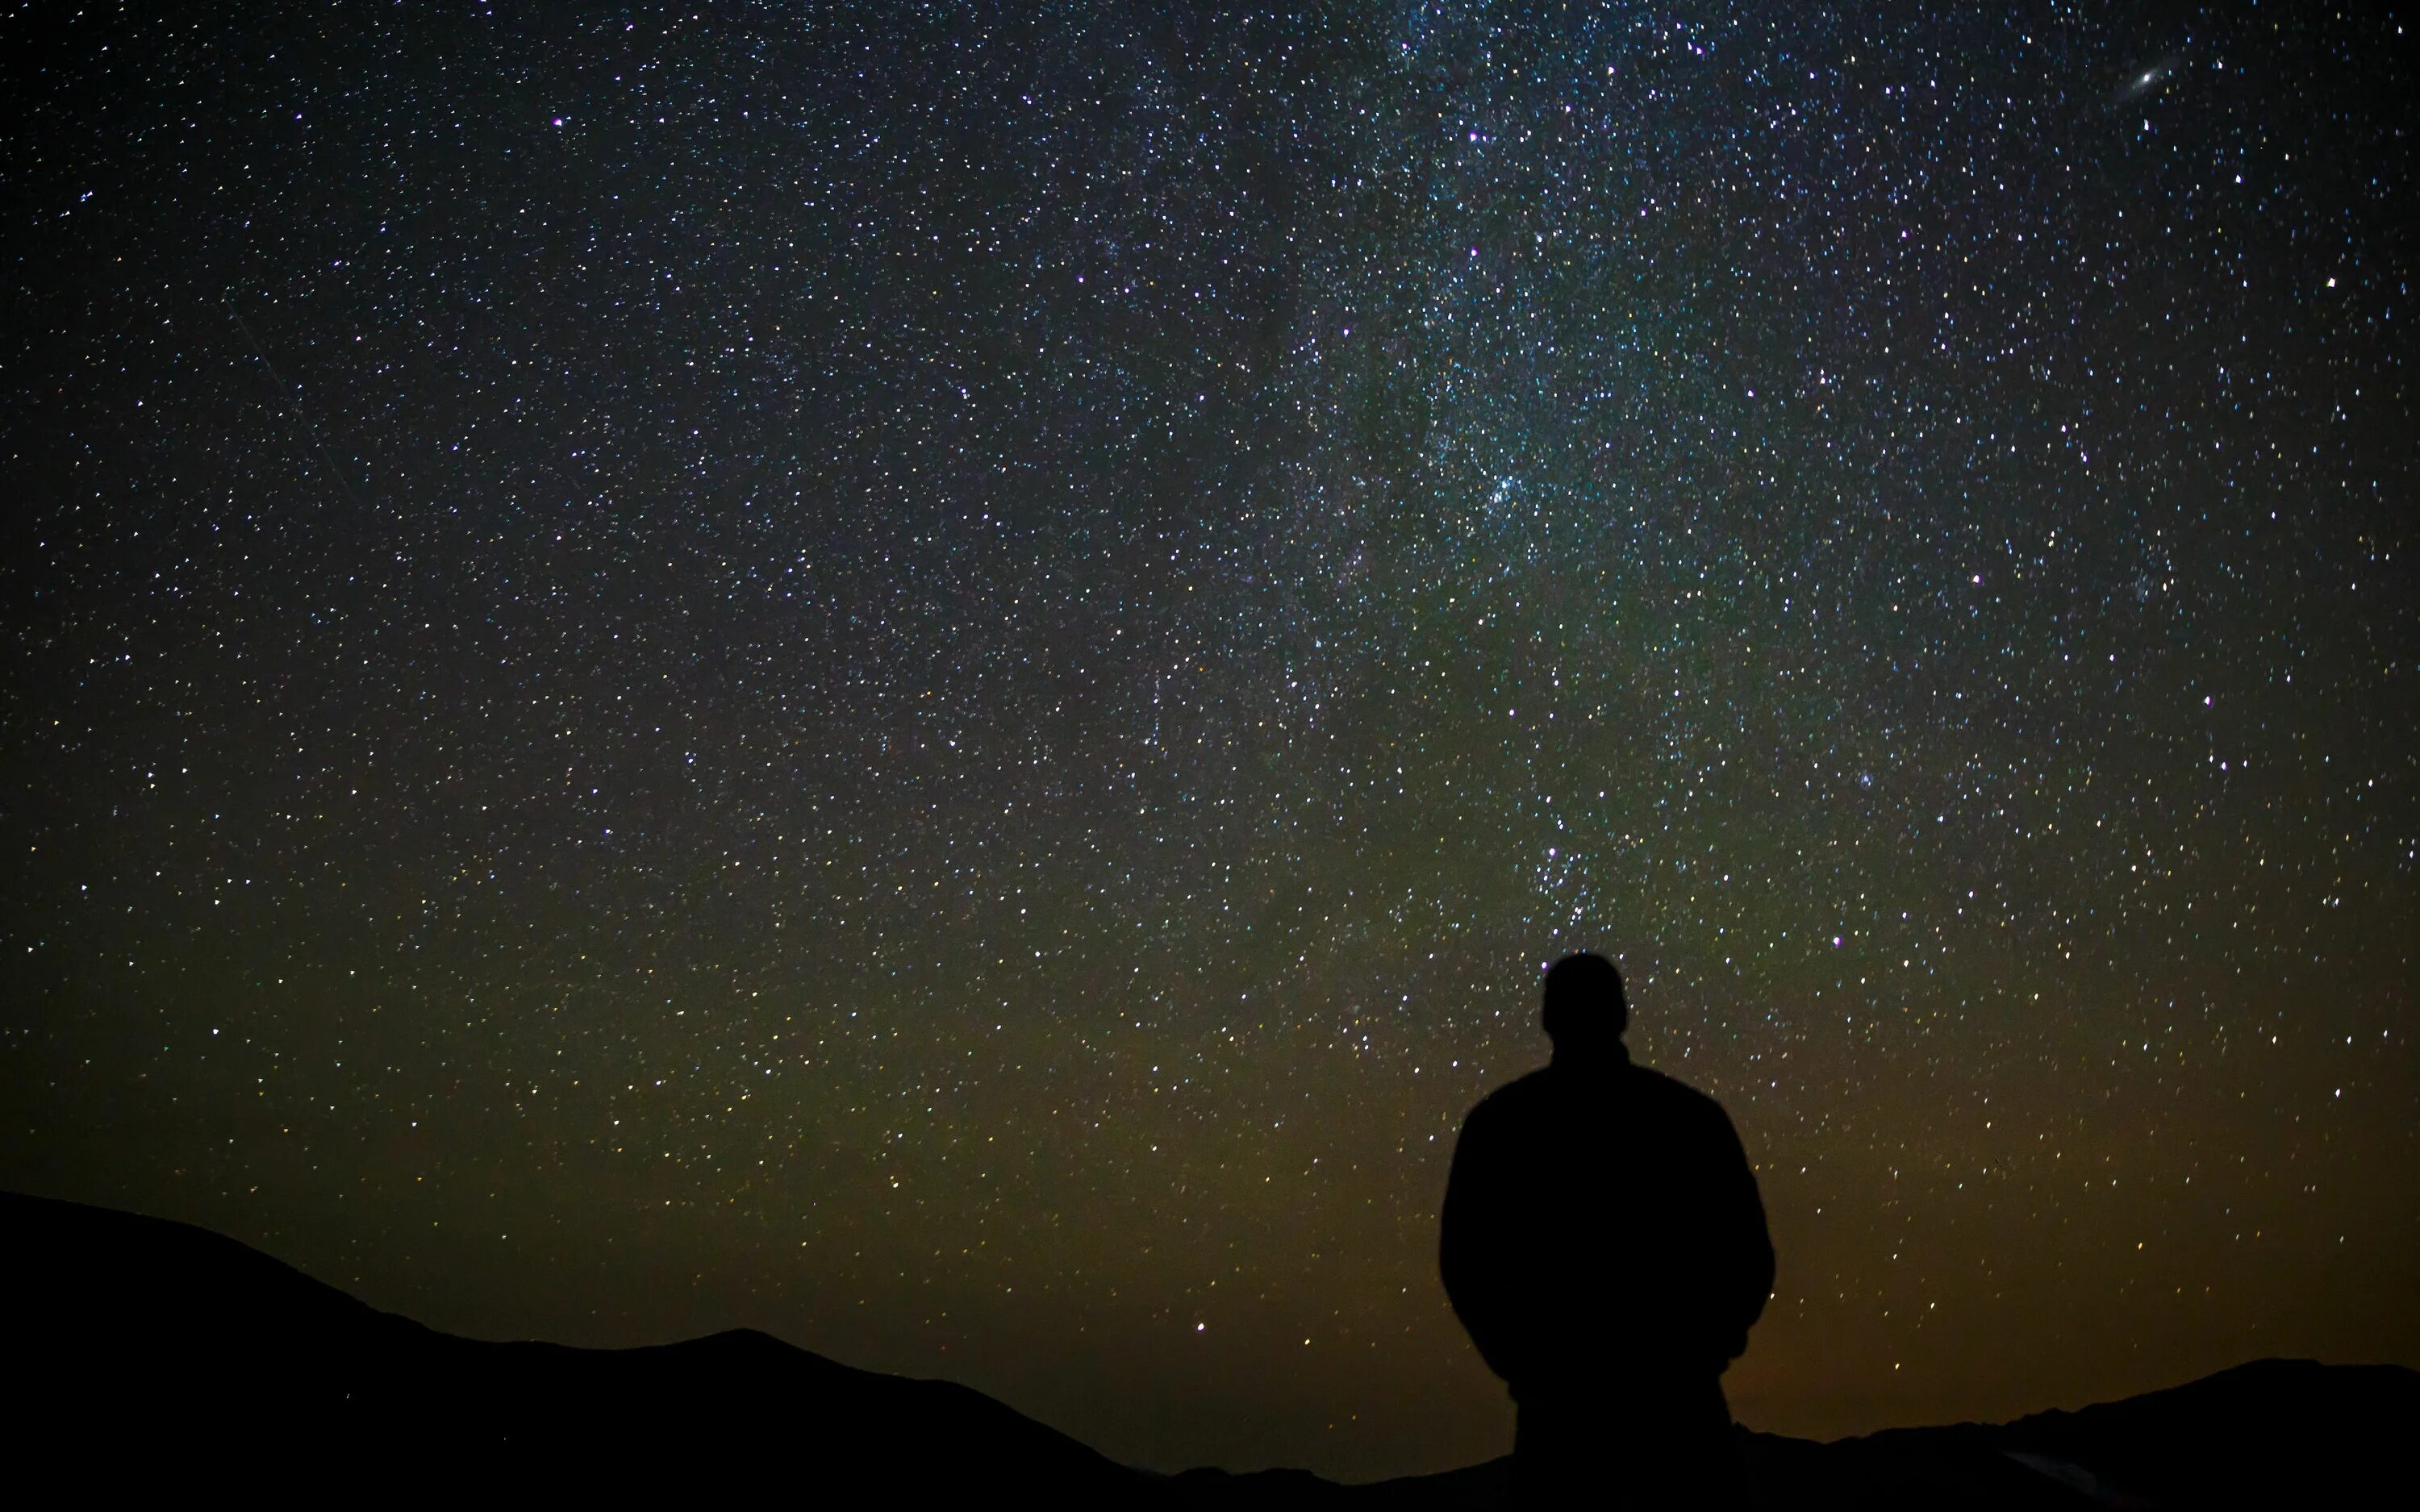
(1509, 1099)
(1674, 1094)
(1532, 1095)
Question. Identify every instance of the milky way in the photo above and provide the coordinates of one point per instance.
(933, 677)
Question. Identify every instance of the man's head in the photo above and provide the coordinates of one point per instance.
(1585, 1008)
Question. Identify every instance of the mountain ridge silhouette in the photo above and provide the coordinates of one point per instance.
(166, 1355)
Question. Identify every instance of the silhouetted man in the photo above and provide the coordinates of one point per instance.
(1603, 1243)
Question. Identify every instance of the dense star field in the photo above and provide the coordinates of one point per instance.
(933, 677)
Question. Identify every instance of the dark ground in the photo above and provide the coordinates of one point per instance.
(153, 1354)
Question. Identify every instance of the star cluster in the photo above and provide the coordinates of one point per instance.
(931, 676)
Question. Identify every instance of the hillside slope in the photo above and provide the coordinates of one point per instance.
(153, 1354)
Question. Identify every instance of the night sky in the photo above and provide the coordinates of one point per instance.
(933, 677)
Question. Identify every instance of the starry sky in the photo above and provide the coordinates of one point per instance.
(932, 677)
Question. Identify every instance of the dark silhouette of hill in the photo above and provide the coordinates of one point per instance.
(148, 1353)
(2274, 1433)
(161, 1353)
(2271, 1434)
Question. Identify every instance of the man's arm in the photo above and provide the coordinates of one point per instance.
(1471, 1242)
(1745, 1245)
